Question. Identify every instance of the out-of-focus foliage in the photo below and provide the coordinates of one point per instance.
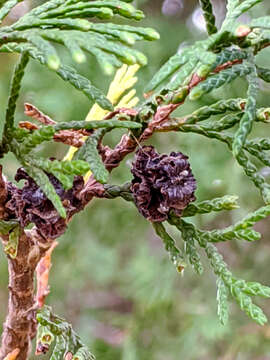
(111, 277)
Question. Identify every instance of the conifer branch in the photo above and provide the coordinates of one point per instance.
(12, 101)
(163, 185)
(208, 16)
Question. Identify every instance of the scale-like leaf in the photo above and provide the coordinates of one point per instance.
(175, 254)
(209, 16)
(215, 81)
(46, 186)
(11, 247)
(189, 236)
(90, 125)
(261, 22)
(229, 234)
(166, 71)
(227, 202)
(6, 8)
(250, 113)
(7, 226)
(66, 338)
(222, 302)
(244, 301)
(217, 108)
(246, 304)
(89, 153)
(36, 138)
(253, 218)
(263, 73)
(243, 7)
(64, 171)
(13, 97)
(67, 73)
(184, 72)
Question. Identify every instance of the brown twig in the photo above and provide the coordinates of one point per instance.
(119, 111)
(162, 114)
(20, 324)
(227, 65)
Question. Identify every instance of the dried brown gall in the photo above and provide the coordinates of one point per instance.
(30, 205)
(161, 183)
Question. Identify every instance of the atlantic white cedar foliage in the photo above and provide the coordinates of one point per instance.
(227, 54)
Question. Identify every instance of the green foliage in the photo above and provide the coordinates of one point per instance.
(52, 327)
(222, 302)
(239, 289)
(53, 22)
(264, 74)
(248, 166)
(183, 73)
(67, 73)
(36, 138)
(25, 142)
(176, 256)
(91, 125)
(167, 70)
(227, 283)
(81, 83)
(44, 183)
(241, 8)
(32, 35)
(11, 247)
(89, 153)
(189, 236)
(262, 22)
(13, 97)
(252, 218)
(7, 226)
(219, 79)
(198, 70)
(220, 107)
(234, 286)
(227, 202)
(64, 171)
(113, 191)
(208, 16)
(6, 6)
(229, 234)
(250, 113)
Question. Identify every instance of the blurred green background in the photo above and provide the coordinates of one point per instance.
(111, 277)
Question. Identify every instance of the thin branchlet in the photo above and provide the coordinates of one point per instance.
(163, 186)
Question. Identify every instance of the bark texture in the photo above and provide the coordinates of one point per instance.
(20, 324)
